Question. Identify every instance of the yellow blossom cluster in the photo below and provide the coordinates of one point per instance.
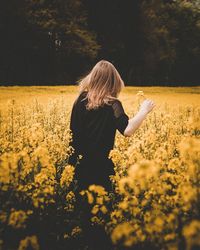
(17, 218)
(67, 176)
(155, 197)
(30, 242)
(157, 179)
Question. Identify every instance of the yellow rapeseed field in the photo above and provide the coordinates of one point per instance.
(156, 188)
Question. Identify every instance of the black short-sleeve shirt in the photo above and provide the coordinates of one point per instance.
(93, 131)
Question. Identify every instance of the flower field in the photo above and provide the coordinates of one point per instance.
(155, 202)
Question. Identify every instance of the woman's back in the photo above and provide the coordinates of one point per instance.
(94, 130)
(93, 134)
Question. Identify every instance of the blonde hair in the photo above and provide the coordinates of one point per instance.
(103, 84)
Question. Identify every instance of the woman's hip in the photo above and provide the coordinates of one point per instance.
(96, 165)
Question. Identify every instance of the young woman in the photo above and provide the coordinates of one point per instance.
(96, 115)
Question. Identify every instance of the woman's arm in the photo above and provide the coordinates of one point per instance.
(135, 122)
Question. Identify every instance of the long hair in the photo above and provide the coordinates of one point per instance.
(103, 84)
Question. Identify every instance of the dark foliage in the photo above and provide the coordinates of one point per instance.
(55, 42)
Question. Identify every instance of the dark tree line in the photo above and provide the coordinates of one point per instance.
(151, 42)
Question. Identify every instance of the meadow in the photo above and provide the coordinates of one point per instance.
(156, 187)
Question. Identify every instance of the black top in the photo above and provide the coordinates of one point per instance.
(93, 131)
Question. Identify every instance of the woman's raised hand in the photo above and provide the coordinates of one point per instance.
(147, 106)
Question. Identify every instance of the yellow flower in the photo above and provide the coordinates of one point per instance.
(18, 218)
(67, 176)
(76, 231)
(97, 189)
(30, 242)
(191, 233)
(70, 196)
(123, 230)
(103, 209)
(95, 209)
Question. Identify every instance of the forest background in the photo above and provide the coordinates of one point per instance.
(151, 42)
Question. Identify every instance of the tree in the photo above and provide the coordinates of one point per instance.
(185, 16)
(51, 39)
(145, 39)
(149, 41)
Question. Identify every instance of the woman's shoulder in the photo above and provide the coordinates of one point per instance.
(116, 103)
(81, 96)
(117, 107)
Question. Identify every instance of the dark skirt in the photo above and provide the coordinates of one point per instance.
(94, 170)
